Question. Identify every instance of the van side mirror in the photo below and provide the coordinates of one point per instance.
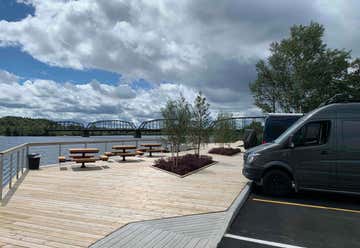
(290, 142)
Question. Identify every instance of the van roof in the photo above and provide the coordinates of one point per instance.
(285, 114)
(341, 98)
(349, 106)
(342, 108)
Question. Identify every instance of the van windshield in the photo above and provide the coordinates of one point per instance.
(285, 134)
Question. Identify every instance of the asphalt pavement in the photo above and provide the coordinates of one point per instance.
(307, 219)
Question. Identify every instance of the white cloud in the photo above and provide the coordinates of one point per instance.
(157, 40)
(207, 45)
(86, 102)
(8, 78)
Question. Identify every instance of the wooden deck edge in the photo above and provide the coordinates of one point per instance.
(188, 174)
(150, 220)
(232, 212)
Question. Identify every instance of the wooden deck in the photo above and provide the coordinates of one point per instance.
(75, 208)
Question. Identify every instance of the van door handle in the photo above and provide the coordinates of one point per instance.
(324, 153)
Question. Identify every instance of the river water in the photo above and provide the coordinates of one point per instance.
(49, 154)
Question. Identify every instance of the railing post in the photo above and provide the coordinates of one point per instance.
(22, 160)
(59, 150)
(26, 158)
(1, 175)
(17, 164)
(11, 170)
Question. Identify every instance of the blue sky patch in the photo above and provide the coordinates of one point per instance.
(22, 64)
(11, 10)
(142, 84)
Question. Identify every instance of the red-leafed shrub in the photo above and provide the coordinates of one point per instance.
(228, 151)
(186, 163)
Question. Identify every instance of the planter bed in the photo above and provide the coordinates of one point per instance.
(228, 151)
(187, 164)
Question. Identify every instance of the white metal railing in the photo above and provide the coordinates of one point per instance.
(14, 161)
(13, 167)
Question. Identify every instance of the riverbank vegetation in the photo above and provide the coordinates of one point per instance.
(19, 126)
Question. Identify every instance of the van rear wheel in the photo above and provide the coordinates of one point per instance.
(277, 183)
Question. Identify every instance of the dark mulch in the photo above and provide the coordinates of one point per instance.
(186, 163)
(228, 151)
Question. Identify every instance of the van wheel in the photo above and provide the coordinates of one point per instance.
(277, 183)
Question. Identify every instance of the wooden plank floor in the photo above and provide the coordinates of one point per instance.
(74, 208)
(194, 231)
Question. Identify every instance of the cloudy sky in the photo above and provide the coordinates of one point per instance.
(121, 59)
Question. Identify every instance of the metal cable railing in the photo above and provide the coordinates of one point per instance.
(13, 166)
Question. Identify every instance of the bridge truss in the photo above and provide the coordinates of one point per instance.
(150, 127)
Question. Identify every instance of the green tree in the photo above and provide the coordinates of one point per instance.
(177, 117)
(200, 123)
(352, 82)
(224, 129)
(301, 72)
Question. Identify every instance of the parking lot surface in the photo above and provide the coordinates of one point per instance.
(307, 219)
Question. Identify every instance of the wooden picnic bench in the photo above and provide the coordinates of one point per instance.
(103, 158)
(63, 159)
(123, 151)
(83, 155)
(109, 154)
(150, 148)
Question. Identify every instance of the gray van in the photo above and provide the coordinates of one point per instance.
(320, 151)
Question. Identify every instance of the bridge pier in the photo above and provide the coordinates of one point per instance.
(137, 134)
(86, 133)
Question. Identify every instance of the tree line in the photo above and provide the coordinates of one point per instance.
(20, 126)
(23, 126)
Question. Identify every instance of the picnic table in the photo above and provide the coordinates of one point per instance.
(123, 151)
(83, 155)
(151, 149)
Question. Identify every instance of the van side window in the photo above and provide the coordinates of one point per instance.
(351, 130)
(312, 134)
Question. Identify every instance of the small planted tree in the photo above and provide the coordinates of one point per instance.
(184, 124)
(224, 129)
(177, 117)
(200, 132)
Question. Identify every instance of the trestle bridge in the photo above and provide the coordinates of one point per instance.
(150, 127)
